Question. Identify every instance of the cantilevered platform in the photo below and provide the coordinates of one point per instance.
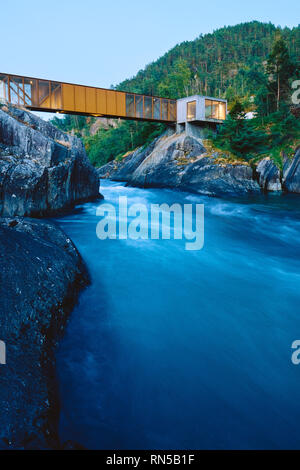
(68, 98)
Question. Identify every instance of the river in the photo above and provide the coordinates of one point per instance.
(176, 349)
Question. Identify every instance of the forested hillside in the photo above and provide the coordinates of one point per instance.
(242, 63)
(217, 64)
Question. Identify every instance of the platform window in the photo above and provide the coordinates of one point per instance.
(191, 110)
(148, 107)
(44, 94)
(28, 86)
(172, 106)
(129, 105)
(222, 110)
(215, 109)
(164, 109)
(208, 109)
(138, 106)
(55, 95)
(156, 108)
(16, 90)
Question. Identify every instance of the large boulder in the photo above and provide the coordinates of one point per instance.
(42, 170)
(182, 161)
(205, 177)
(269, 175)
(41, 273)
(291, 173)
(165, 163)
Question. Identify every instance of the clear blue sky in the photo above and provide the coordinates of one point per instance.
(100, 43)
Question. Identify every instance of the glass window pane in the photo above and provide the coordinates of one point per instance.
(55, 95)
(191, 110)
(13, 95)
(34, 92)
(148, 107)
(43, 97)
(129, 105)
(215, 110)
(138, 106)
(164, 110)
(222, 110)
(172, 105)
(208, 109)
(16, 90)
(156, 108)
(28, 91)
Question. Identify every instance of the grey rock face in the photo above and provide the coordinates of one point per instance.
(269, 175)
(42, 170)
(291, 174)
(180, 161)
(219, 180)
(41, 273)
(108, 169)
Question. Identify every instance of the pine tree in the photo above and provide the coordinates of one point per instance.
(280, 69)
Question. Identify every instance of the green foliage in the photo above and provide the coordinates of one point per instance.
(111, 143)
(275, 131)
(284, 135)
(176, 84)
(250, 139)
(280, 69)
(216, 61)
(80, 125)
(241, 136)
(237, 112)
(230, 94)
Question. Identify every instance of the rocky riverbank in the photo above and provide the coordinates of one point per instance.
(41, 273)
(42, 172)
(189, 164)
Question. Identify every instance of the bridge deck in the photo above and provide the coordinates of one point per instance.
(46, 95)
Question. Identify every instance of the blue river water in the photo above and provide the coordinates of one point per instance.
(176, 349)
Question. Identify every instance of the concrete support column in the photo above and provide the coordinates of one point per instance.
(180, 128)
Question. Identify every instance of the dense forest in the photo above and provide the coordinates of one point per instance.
(252, 65)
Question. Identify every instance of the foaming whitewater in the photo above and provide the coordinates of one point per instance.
(176, 349)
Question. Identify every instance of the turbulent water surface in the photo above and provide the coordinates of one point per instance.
(180, 349)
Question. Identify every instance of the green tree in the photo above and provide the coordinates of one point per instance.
(280, 69)
(237, 112)
(176, 84)
(240, 135)
(230, 94)
(262, 102)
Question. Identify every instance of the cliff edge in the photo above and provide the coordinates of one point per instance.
(42, 170)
